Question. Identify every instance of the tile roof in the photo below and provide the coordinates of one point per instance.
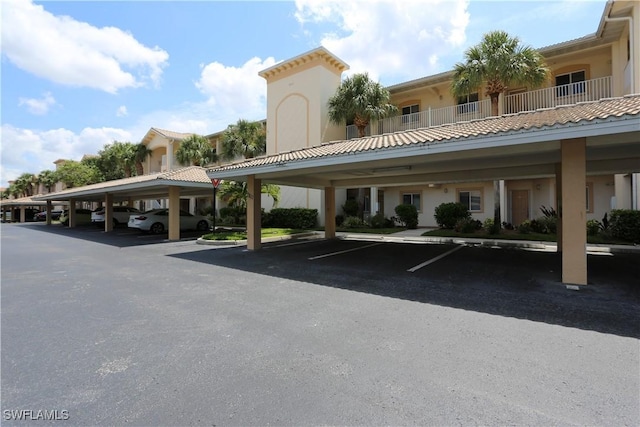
(492, 126)
(190, 174)
(171, 134)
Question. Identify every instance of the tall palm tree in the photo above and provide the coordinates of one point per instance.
(48, 178)
(196, 150)
(359, 99)
(498, 61)
(142, 152)
(245, 138)
(24, 184)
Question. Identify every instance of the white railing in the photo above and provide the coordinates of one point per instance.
(590, 90)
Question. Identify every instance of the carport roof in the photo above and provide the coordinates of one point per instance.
(23, 201)
(596, 119)
(192, 178)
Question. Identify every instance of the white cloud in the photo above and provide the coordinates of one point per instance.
(26, 150)
(236, 92)
(122, 111)
(70, 52)
(38, 106)
(401, 39)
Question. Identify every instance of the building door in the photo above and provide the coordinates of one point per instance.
(519, 206)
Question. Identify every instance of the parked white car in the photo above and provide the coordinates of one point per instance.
(121, 214)
(157, 221)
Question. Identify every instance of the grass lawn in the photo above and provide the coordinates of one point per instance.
(242, 234)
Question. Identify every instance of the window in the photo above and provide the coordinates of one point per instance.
(467, 104)
(409, 113)
(570, 83)
(472, 199)
(412, 199)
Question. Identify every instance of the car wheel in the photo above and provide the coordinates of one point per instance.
(156, 228)
(202, 226)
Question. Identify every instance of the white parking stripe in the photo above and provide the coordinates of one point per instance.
(292, 244)
(344, 252)
(432, 260)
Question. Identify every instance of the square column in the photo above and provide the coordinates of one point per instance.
(573, 211)
(329, 212)
(254, 214)
(48, 209)
(174, 213)
(108, 212)
(557, 205)
(72, 213)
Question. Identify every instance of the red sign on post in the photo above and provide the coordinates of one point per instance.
(215, 182)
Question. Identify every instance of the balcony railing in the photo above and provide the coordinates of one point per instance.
(590, 90)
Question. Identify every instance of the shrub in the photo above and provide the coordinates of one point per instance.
(379, 221)
(525, 227)
(538, 226)
(624, 224)
(488, 225)
(339, 220)
(447, 215)
(407, 215)
(232, 216)
(353, 222)
(467, 225)
(549, 223)
(548, 212)
(350, 208)
(593, 227)
(300, 218)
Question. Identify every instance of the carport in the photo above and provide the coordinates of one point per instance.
(171, 185)
(568, 143)
(21, 203)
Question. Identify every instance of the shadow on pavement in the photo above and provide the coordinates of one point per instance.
(505, 282)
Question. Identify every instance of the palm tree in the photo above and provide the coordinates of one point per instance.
(359, 99)
(196, 150)
(245, 138)
(23, 185)
(235, 193)
(499, 61)
(142, 152)
(116, 160)
(48, 178)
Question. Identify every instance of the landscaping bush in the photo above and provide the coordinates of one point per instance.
(525, 227)
(488, 225)
(538, 226)
(339, 220)
(379, 221)
(549, 223)
(299, 218)
(624, 224)
(353, 222)
(407, 215)
(447, 215)
(233, 216)
(350, 208)
(593, 227)
(468, 225)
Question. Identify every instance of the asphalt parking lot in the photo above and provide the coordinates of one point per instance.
(128, 328)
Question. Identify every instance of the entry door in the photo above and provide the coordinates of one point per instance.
(519, 206)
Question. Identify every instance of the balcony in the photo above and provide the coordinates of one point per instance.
(590, 90)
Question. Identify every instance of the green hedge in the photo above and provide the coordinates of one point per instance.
(300, 218)
(447, 215)
(625, 224)
(407, 215)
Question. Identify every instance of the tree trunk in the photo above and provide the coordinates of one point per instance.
(361, 124)
(139, 169)
(494, 104)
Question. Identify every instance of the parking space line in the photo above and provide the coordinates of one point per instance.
(432, 260)
(343, 252)
(302, 242)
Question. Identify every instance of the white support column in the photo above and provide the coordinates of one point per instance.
(373, 199)
(174, 213)
(254, 238)
(330, 212)
(573, 211)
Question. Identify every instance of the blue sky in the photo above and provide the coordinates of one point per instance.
(78, 75)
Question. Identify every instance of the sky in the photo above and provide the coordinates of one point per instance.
(77, 75)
